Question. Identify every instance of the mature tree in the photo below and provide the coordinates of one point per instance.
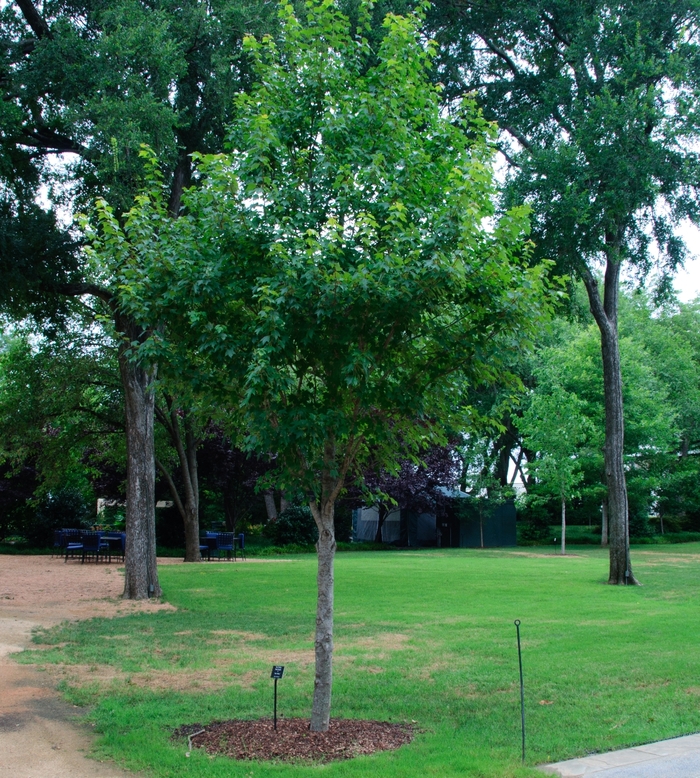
(85, 83)
(597, 103)
(341, 270)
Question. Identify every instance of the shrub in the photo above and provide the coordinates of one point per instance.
(295, 526)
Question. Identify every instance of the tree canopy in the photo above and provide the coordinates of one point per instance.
(341, 273)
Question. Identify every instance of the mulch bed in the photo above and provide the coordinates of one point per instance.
(293, 741)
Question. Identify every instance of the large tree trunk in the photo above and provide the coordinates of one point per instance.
(141, 576)
(605, 314)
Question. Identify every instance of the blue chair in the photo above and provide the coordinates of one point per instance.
(207, 544)
(225, 542)
(241, 546)
(70, 542)
(93, 543)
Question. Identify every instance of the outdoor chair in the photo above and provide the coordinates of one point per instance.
(70, 542)
(207, 544)
(225, 542)
(93, 543)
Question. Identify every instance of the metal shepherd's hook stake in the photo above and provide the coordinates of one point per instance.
(522, 687)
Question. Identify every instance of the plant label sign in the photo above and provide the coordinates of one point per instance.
(277, 671)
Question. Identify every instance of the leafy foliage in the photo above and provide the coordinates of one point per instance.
(295, 525)
(334, 272)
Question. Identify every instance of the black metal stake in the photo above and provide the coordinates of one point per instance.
(276, 674)
(522, 687)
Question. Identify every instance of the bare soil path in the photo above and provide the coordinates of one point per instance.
(41, 736)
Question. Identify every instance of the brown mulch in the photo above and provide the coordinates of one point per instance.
(293, 741)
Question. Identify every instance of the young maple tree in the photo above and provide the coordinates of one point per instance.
(341, 274)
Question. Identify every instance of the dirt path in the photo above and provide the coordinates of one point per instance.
(41, 736)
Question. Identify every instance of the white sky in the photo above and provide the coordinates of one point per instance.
(687, 280)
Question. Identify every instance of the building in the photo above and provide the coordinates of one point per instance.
(465, 524)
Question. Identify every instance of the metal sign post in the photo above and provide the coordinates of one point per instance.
(522, 688)
(276, 674)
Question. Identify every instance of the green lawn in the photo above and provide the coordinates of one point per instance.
(425, 636)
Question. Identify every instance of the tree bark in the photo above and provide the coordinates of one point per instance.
(34, 19)
(323, 511)
(323, 642)
(563, 527)
(141, 568)
(605, 315)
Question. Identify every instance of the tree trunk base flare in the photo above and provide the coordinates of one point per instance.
(323, 643)
(140, 563)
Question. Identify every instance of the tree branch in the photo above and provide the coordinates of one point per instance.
(171, 486)
(502, 54)
(77, 290)
(45, 138)
(34, 19)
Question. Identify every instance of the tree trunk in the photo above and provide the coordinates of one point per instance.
(563, 527)
(141, 575)
(270, 506)
(605, 314)
(323, 514)
(187, 457)
(604, 521)
(481, 526)
(382, 513)
(323, 511)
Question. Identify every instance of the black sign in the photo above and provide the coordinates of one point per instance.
(277, 671)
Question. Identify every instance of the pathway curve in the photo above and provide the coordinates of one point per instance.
(41, 736)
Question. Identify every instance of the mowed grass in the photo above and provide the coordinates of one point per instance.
(425, 637)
